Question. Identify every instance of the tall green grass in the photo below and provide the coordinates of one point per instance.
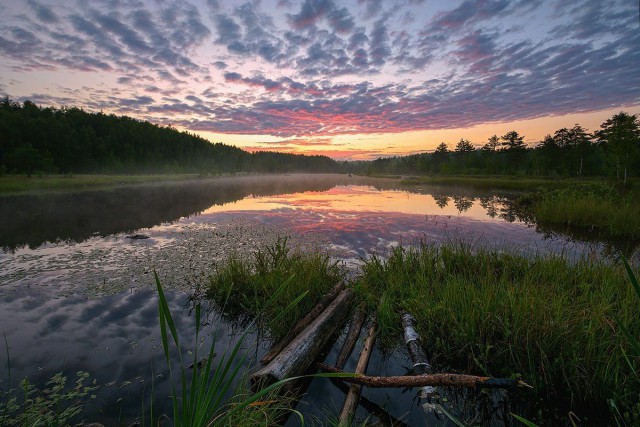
(249, 284)
(497, 313)
(595, 206)
(203, 397)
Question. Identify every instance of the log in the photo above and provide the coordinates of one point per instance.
(373, 408)
(352, 337)
(351, 402)
(421, 365)
(306, 320)
(436, 380)
(301, 352)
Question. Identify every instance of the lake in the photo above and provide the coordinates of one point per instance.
(77, 290)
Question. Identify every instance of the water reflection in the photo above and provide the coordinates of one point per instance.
(74, 217)
(116, 337)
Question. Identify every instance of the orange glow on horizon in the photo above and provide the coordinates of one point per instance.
(351, 199)
(374, 145)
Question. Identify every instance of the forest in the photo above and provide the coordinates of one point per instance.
(48, 140)
(611, 151)
(70, 140)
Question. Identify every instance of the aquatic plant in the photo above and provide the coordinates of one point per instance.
(56, 405)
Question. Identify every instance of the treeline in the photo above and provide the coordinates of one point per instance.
(70, 140)
(613, 150)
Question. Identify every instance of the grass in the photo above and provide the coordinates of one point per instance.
(595, 206)
(251, 283)
(588, 203)
(21, 183)
(202, 398)
(496, 313)
(560, 325)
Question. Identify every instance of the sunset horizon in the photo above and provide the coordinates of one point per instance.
(353, 81)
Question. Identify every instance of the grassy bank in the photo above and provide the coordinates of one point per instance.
(22, 184)
(594, 206)
(500, 314)
(242, 287)
(487, 312)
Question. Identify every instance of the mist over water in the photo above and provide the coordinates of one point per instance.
(77, 288)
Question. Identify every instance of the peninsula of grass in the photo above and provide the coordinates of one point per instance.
(552, 321)
(12, 184)
(242, 287)
(594, 205)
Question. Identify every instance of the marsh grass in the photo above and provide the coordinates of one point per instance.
(206, 397)
(496, 313)
(248, 284)
(594, 206)
(202, 398)
(22, 184)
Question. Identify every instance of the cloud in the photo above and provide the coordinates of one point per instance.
(44, 13)
(321, 68)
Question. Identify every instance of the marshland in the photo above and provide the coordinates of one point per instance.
(319, 212)
(495, 290)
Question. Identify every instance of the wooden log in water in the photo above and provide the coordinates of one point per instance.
(351, 402)
(306, 320)
(352, 337)
(421, 364)
(373, 408)
(414, 346)
(302, 351)
(436, 380)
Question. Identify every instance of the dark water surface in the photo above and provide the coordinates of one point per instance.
(76, 293)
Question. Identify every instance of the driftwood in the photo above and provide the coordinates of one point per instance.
(306, 320)
(351, 402)
(421, 365)
(352, 337)
(296, 357)
(442, 380)
(373, 408)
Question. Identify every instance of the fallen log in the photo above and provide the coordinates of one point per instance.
(306, 320)
(436, 380)
(421, 365)
(301, 352)
(352, 337)
(351, 402)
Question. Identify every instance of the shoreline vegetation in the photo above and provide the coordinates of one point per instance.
(561, 326)
(587, 203)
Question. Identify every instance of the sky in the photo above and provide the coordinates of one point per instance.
(357, 79)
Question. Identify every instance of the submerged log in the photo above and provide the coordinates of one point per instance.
(373, 408)
(352, 337)
(306, 320)
(443, 380)
(351, 401)
(296, 357)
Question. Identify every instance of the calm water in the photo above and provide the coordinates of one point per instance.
(76, 292)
